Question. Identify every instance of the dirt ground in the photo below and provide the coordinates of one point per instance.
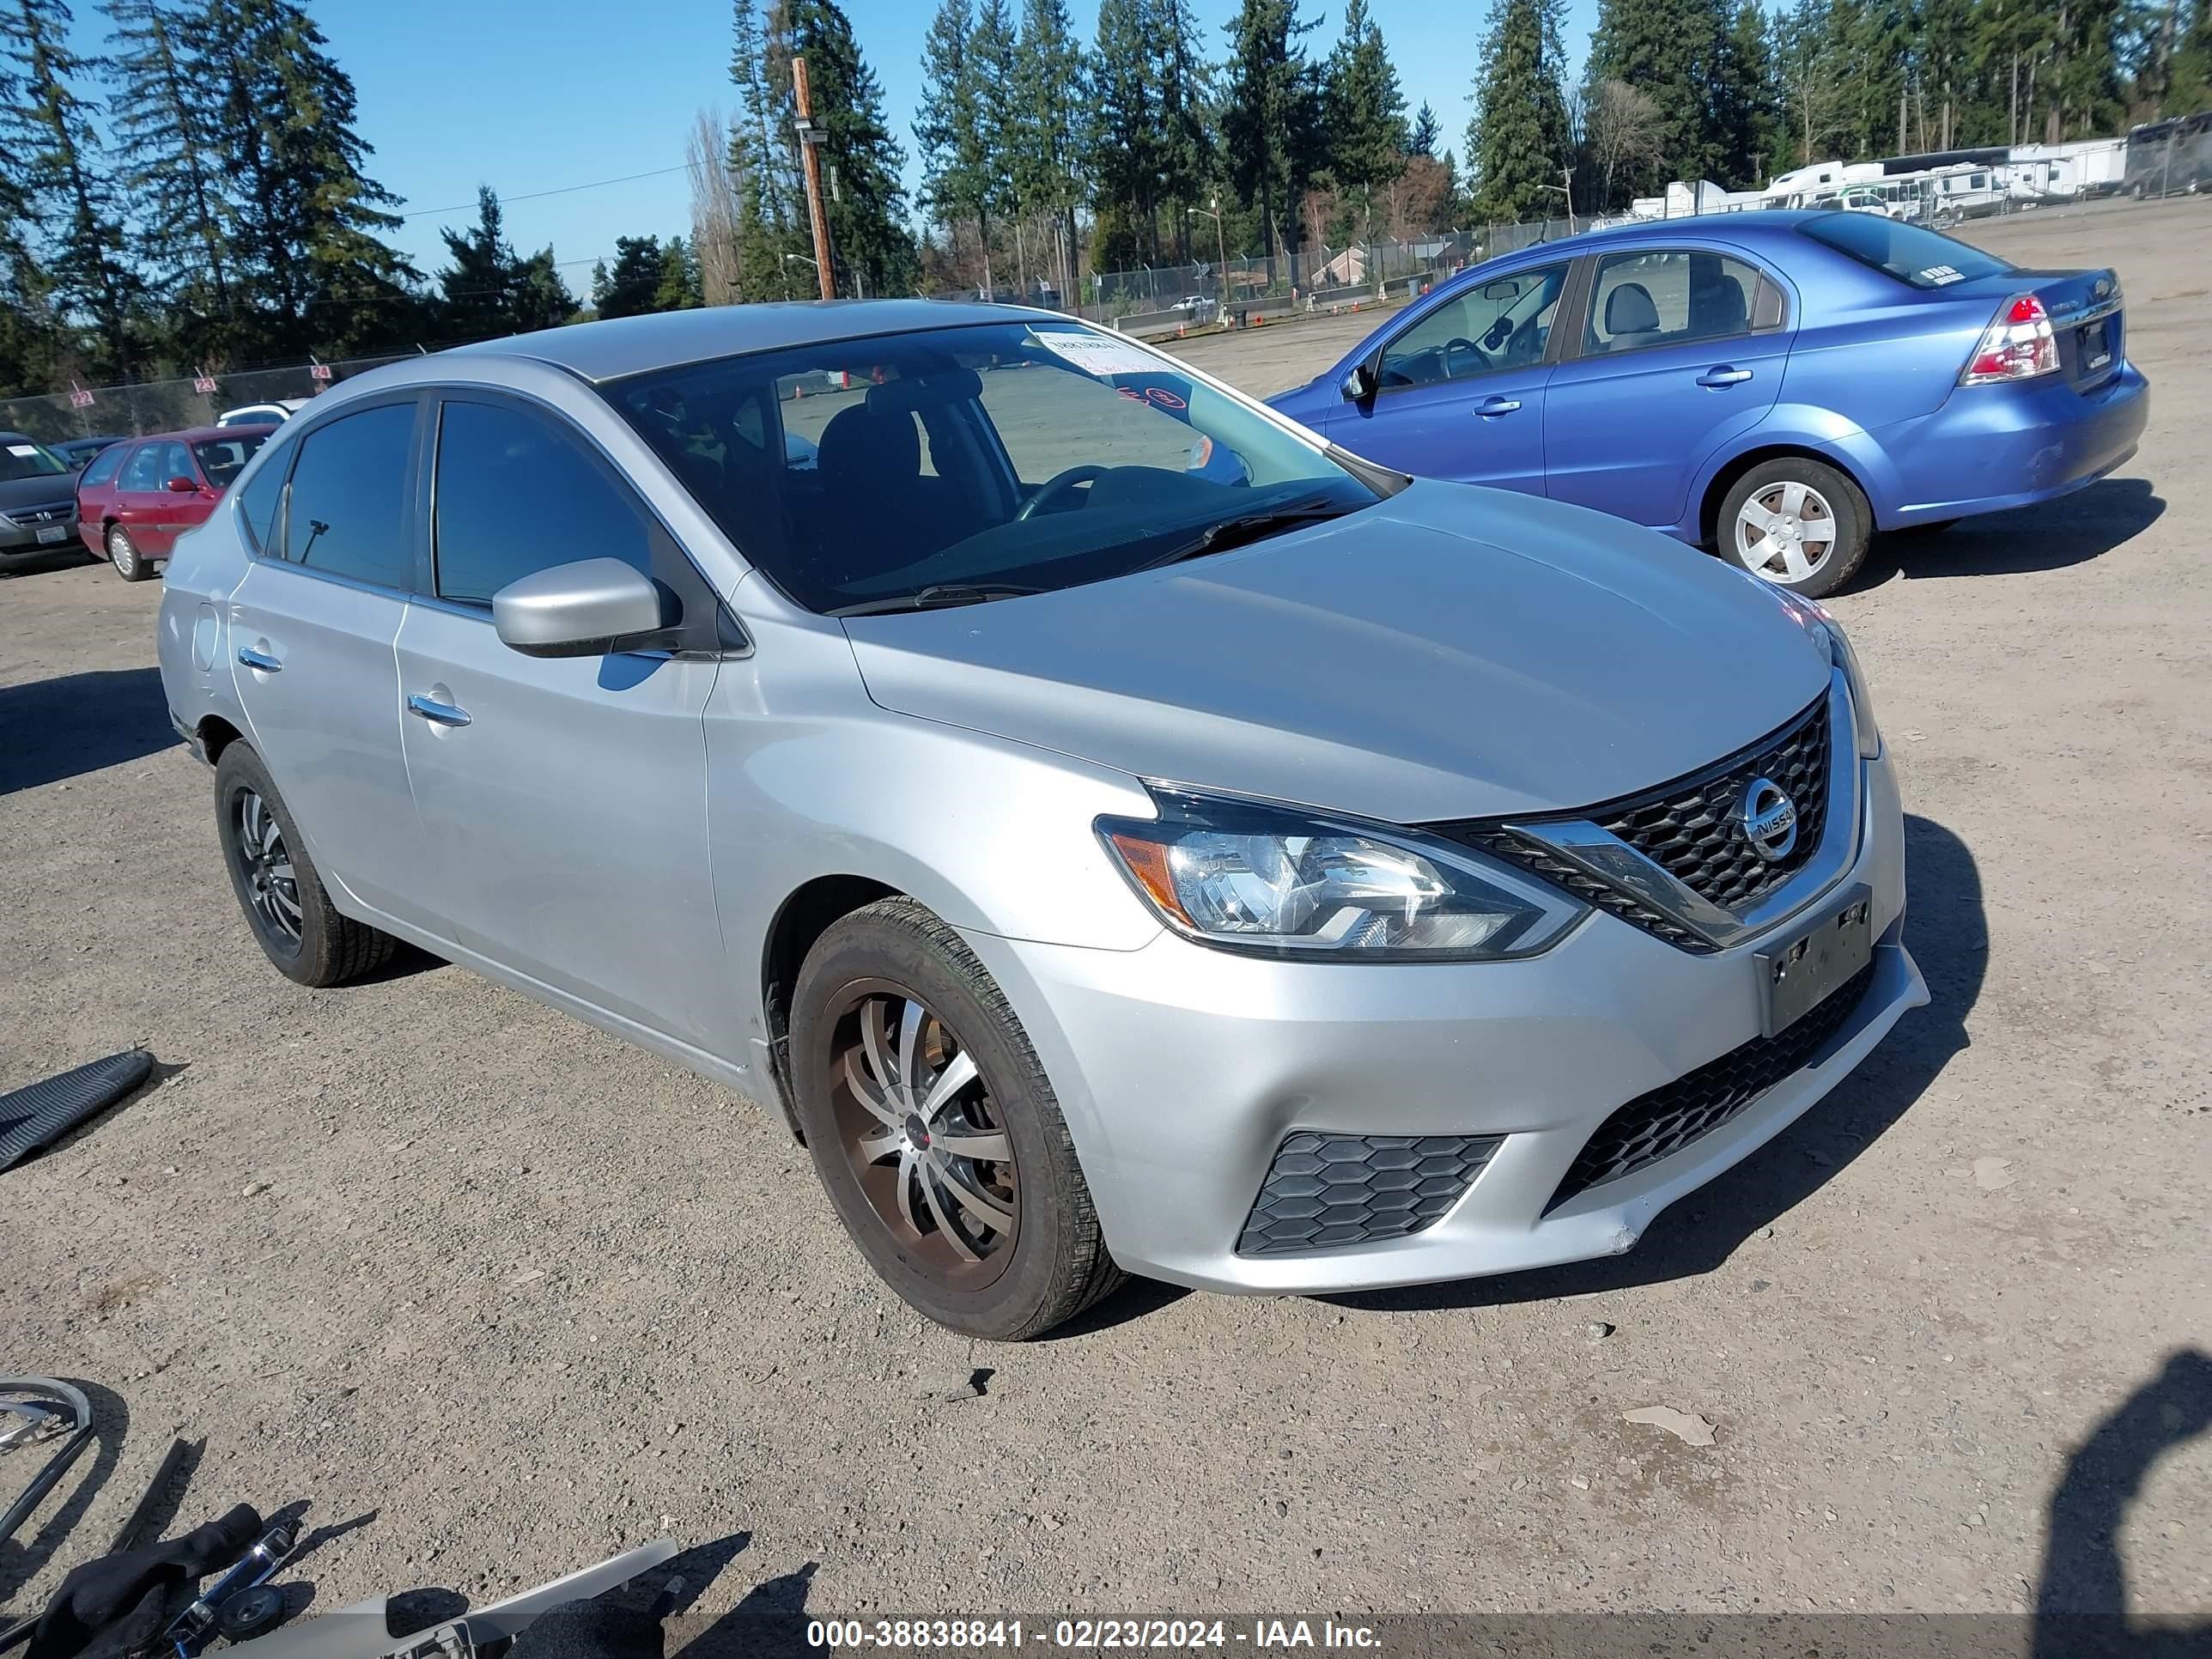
(507, 1295)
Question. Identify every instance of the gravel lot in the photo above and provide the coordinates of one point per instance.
(514, 1296)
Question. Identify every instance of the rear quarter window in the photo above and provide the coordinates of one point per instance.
(257, 502)
(349, 500)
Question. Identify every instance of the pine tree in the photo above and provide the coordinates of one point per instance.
(955, 179)
(306, 236)
(488, 291)
(1518, 143)
(1363, 112)
(1182, 83)
(679, 287)
(1124, 144)
(172, 174)
(1669, 50)
(1049, 97)
(67, 200)
(1271, 119)
(1744, 114)
(1422, 141)
(633, 286)
(867, 208)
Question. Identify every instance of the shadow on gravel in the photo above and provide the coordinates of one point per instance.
(770, 1623)
(2072, 530)
(2082, 1606)
(1949, 935)
(79, 723)
(21, 1562)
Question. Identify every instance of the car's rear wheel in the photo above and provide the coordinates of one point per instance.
(1797, 523)
(295, 923)
(123, 553)
(935, 1130)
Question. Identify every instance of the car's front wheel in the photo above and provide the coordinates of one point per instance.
(123, 553)
(293, 920)
(1797, 523)
(935, 1130)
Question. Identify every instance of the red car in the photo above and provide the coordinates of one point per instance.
(140, 494)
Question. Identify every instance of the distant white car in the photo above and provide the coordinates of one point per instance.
(259, 414)
(1194, 302)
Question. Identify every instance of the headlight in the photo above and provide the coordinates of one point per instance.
(1828, 633)
(1272, 881)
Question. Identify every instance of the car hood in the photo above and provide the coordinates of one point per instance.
(1449, 652)
(37, 492)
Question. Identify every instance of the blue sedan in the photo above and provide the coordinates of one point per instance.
(1774, 386)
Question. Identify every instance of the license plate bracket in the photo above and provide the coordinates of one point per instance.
(2096, 345)
(1796, 977)
(51, 533)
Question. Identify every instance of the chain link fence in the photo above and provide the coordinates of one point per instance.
(125, 411)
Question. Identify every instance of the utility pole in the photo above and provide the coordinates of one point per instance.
(810, 142)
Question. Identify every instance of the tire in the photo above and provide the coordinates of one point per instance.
(123, 553)
(918, 1209)
(291, 914)
(1936, 528)
(1803, 561)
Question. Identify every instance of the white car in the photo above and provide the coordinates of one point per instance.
(259, 414)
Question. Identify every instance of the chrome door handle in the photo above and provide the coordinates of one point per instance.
(1724, 376)
(439, 714)
(261, 660)
(1497, 405)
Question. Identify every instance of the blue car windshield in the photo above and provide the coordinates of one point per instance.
(972, 462)
(1924, 258)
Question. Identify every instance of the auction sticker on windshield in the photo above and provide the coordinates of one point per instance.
(1095, 354)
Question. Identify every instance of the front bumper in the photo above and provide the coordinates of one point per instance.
(17, 541)
(1990, 447)
(1181, 1069)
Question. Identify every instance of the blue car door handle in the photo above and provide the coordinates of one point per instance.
(439, 714)
(1497, 405)
(1724, 375)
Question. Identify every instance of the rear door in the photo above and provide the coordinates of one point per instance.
(138, 504)
(564, 799)
(1680, 350)
(311, 631)
(1461, 389)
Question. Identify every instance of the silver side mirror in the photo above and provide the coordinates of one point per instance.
(582, 610)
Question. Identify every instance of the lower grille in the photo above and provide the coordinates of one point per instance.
(1324, 1190)
(1662, 1122)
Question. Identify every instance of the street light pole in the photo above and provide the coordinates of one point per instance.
(809, 141)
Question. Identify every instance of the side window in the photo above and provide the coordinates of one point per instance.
(1503, 323)
(174, 463)
(141, 473)
(1668, 298)
(106, 465)
(258, 502)
(348, 515)
(516, 495)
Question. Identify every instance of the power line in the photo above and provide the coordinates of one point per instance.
(565, 190)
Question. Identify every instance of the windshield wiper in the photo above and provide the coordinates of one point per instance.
(1248, 527)
(938, 596)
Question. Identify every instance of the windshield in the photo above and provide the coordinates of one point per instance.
(1004, 457)
(1922, 257)
(21, 458)
(223, 459)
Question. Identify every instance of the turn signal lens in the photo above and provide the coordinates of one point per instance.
(2018, 346)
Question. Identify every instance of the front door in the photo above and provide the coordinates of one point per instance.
(1461, 389)
(1673, 361)
(564, 798)
(312, 629)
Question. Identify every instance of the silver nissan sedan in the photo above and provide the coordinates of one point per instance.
(1118, 831)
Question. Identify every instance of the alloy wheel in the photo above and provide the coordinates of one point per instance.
(1785, 532)
(272, 888)
(925, 1141)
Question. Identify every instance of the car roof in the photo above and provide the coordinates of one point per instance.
(193, 435)
(630, 345)
(1751, 225)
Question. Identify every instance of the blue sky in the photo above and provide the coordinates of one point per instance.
(532, 95)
